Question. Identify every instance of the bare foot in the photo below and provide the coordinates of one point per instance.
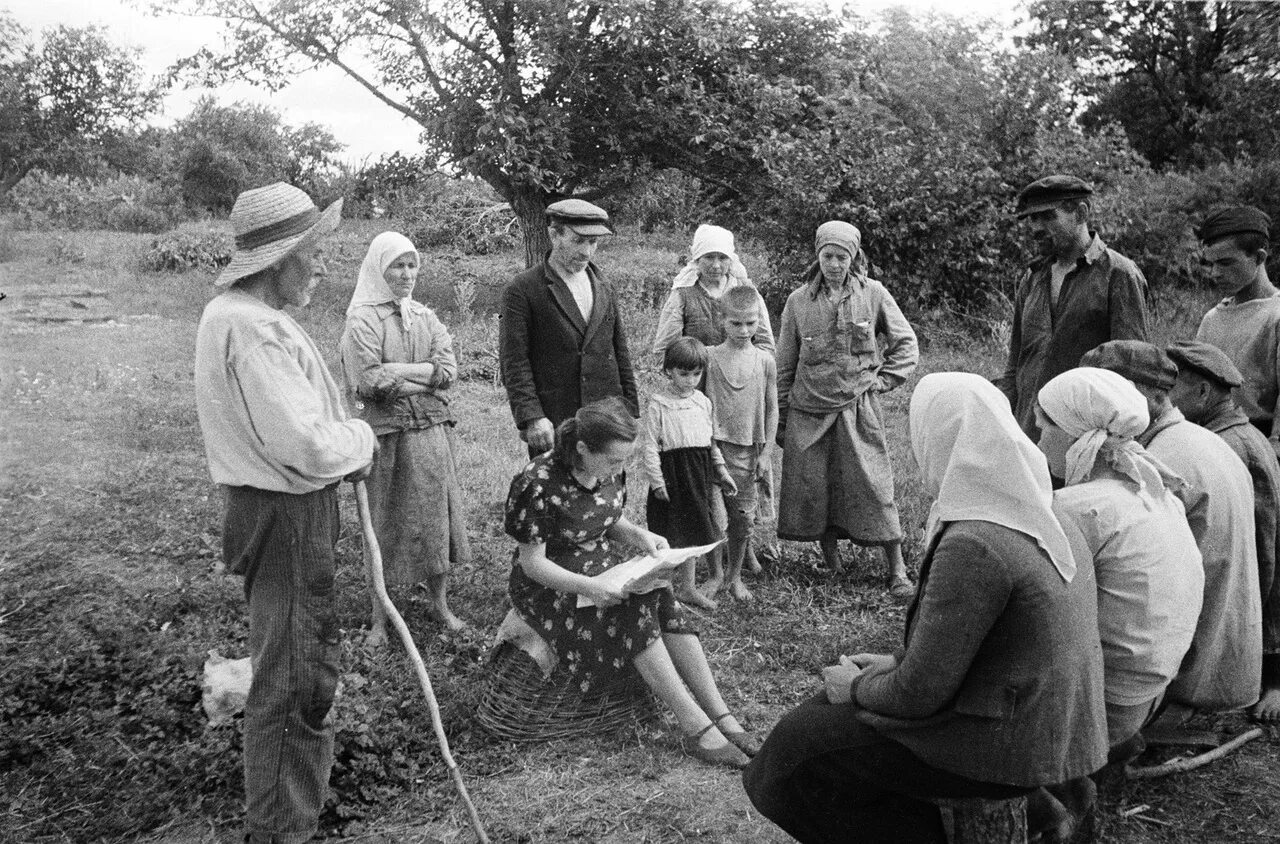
(831, 555)
(740, 592)
(449, 620)
(712, 585)
(694, 598)
(1268, 707)
(753, 565)
(376, 638)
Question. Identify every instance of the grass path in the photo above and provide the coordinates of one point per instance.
(110, 600)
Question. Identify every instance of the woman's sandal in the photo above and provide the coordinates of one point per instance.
(728, 755)
(742, 739)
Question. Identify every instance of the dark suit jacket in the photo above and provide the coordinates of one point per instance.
(553, 362)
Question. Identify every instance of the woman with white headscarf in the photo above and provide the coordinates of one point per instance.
(1121, 502)
(398, 362)
(998, 689)
(692, 309)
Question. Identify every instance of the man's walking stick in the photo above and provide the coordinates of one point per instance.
(374, 557)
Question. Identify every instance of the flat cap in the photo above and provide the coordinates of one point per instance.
(581, 216)
(1238, 220)
(1046, 193)
(1141, 363)
(1207, 360)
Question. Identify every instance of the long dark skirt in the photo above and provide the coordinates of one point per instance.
(824, 776)
(688, 517)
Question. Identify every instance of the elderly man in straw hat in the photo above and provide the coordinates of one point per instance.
(279, 441)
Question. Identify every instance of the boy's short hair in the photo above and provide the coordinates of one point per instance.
(740, 299)
(687, 353)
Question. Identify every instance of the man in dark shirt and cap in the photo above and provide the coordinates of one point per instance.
(1222, 669)
(1076, 295)
(1246, 323)
(1206, 378)
(560, 341)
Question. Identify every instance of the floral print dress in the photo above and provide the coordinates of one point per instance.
(547, 504)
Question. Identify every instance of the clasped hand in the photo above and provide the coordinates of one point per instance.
(837, 679)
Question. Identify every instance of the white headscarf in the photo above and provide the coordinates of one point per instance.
(707, 239)
(371, 286)
(1103, 412)
(977, 464)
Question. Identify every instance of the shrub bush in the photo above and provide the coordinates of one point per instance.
(126, 203)
(181, 251)
(137, 218)
(463, 215)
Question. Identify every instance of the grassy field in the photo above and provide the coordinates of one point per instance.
(111, 599)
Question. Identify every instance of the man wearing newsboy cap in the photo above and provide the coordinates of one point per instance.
(1206, 377)
(1223, 667)
(279, 442)
(560, 341)
(1075, 295)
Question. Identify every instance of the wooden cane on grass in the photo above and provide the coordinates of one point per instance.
(374, 557)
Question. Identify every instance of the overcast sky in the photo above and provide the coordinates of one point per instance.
(328, 97)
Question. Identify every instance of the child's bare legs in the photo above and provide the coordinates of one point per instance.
(739, 545)
(715, 561)
(752, 564)
(435, 587)
(659, 672)
(686, 590)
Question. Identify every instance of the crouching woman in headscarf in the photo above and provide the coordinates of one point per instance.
(998, 689)
(1121, 501)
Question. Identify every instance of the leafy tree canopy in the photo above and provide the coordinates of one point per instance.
(1190, 82)
(553, 98)
(62, 99)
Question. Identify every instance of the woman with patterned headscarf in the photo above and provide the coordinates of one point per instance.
(836, 479)
(1120, 501)
(398, 363)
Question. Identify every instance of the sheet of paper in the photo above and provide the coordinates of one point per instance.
(639, 573)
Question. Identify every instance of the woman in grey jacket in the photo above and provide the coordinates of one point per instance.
(999, 687)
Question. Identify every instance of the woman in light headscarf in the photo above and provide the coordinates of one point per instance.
(1119, 501)
(837, 482)
(398, 363)
(999, 687)
(693, 309)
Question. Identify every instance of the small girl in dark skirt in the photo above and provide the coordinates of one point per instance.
(682, 464)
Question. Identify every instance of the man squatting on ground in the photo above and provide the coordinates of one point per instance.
(1246, 326)
(279, 441)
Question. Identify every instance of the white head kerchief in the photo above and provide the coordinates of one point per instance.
(977, 464)
(706, 239)
(1103, 412)
(371, 286)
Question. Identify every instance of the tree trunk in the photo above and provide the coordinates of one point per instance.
(530, 206)
(979, 821)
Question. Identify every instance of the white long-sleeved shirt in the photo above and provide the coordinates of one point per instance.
(270, 412)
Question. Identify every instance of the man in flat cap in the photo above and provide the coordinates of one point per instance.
(1206, 378)
(1076, 294)
(1223, 667)
(561, 343)
(1246, 323)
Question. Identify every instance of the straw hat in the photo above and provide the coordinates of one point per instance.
(270, 223)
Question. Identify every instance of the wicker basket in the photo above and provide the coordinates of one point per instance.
(520, 705)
